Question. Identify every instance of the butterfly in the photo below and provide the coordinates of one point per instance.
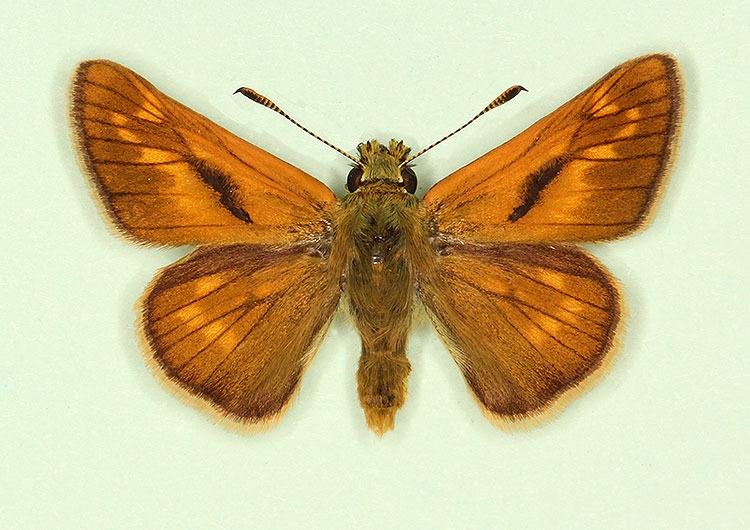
(489, 252)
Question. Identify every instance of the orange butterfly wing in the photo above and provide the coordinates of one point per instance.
(237, 325)
(168, 175)
(588, 171)
(525, 323)
(527, 320)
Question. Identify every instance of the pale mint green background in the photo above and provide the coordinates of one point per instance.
(89, 440)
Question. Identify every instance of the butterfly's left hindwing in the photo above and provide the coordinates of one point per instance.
(237, 325)
(167, 175)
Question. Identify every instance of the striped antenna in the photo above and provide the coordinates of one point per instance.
(263, 100)
(499, 100)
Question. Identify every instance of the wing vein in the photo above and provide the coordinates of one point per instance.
(618, 159)
(190, 359)
(622, 140)
(132, 163)
(175, 227)
(125, 97)
(130, 117)
(633, 89)
(614, 79)
(540, 328)
(198, 299)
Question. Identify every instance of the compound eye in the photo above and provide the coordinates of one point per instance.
(409, 179)
(354, 179)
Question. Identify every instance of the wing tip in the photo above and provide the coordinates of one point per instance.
(669, 158)
(79, 140)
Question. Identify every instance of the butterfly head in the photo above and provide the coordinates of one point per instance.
(385, 164)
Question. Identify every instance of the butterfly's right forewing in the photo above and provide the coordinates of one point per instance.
(234, 325)
(591, 170)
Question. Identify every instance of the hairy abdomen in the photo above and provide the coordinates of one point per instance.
(380, 286)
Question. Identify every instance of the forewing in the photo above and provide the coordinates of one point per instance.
(167, 175)
(236, 326)
(525, 323)
(591, 170)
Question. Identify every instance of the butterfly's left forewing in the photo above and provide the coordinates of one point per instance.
(167, 175)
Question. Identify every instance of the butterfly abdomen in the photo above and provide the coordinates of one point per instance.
(379, 285)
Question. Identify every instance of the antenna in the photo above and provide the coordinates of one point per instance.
(499, 100)
(263, 100)
(506, 96)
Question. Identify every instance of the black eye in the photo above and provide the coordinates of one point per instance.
(410, 179)
(354, 178)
